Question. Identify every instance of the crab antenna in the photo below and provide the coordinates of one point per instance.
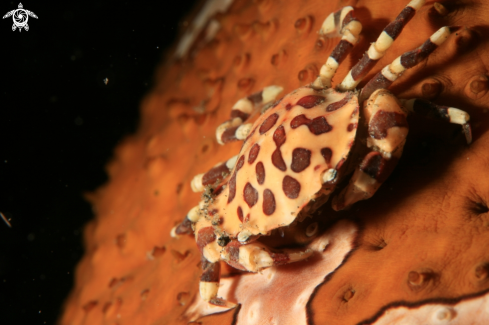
(391, 72)
(379, 47)
(340, 23)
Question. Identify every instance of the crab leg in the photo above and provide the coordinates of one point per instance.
(340, 23)
(391, 72)
(445, 113)
(255, 256)
(234, 129)
(185, 227)
(213, 176)
(379, 47)
(387, 130)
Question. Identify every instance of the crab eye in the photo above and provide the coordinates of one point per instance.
(312, 229)
(223, 241)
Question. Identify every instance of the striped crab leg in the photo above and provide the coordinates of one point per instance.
(340, 23)
(391, 72)
(234, 129)
(380, 46)
(387, 126)
(445, 113)
(198, 184)
(251, 256)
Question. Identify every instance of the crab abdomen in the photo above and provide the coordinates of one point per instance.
(281, 165)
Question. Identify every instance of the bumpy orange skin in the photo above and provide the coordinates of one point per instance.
(424, 235)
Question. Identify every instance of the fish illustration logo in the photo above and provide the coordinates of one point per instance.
(20, 17)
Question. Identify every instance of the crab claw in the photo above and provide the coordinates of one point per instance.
(254, 257)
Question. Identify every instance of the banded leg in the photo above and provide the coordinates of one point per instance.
(340, 23)
(185, 227)
(391, 72)
(248, 256)
(445, 113)
(234, 129)
(380, 46)
(215, 175)
(387, 131)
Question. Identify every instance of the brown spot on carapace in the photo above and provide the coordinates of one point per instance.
(279, 136)
(291, 187)
(288, 107)
(205, 236)
(268, 123)
(250, 195)
(327, 153)
(240, 163)
(301, 159)
(232, 188)
(260, 172)
(382, 121)
(214, 174)
(337, 105)
(253, 153)
(310, 101)
(240, 214)
(317, 126)
(268, 202)
(278, 160)
(351, 127)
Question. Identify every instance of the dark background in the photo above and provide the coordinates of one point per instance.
(59, 124)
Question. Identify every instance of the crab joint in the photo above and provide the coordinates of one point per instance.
(330, 175)
(255, 257)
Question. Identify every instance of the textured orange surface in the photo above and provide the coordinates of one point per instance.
(424, 235)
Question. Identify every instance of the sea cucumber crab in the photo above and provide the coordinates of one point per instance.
(302, 148)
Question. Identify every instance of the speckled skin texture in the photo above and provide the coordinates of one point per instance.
(422, 238)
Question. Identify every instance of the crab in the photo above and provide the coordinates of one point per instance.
(301, 150)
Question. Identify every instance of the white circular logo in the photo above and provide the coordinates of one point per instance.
(20, 17)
